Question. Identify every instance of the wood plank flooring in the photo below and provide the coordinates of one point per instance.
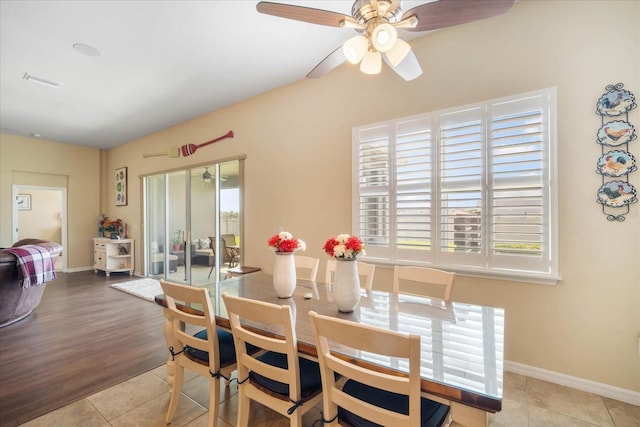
(83, 337)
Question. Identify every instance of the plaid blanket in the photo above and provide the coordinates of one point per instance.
(35, 265)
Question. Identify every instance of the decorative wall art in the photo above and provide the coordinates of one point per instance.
(121, 187)
(187, 149)
(616, 133)
(616, 101)
(24, 202)
(615, 165)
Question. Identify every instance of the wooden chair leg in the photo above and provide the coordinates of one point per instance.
(296, 419)
(214, 402)
(176, 389)
(244, 406)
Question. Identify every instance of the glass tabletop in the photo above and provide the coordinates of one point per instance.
(462, 344)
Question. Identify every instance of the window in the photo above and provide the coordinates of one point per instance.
(470, 189)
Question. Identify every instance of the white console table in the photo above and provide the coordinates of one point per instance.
(111, 255)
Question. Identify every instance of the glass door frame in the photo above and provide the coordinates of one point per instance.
(188, 200)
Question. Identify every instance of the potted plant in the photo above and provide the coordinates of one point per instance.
(177, 241)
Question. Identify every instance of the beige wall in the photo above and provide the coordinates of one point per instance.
(35, 162)
(298, 169)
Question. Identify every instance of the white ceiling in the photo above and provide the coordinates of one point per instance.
(161, 62)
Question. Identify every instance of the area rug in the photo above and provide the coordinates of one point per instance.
(146, 288)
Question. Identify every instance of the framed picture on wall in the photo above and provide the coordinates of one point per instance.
(121, 187)
(24, 202)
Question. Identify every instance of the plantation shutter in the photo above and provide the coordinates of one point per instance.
(462, 189)
(372, 154)
(413, 173)
(520, 184)
(467, 189)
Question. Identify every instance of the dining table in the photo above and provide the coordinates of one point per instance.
(462, 344)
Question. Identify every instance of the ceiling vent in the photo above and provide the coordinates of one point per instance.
(40, 80)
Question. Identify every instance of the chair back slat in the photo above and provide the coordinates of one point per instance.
(366, 272)
(430, 277)
(306, 267)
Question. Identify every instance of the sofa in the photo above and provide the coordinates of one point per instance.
(16, 301)
(157, 263)
(157, 259)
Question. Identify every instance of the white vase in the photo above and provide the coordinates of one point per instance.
(346, 285)
(284, 274)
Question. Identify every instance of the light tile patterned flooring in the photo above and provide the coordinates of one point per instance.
(143, 400)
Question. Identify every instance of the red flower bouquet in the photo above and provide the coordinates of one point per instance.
(344, 246)
(285, 242)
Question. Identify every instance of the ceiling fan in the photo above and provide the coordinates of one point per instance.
(376, 22)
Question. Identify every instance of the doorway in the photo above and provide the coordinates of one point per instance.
(185, 211)
(41, 213)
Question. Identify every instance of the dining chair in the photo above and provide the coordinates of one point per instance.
(278, 378)
(212, 258)
(306, 267)
(367, 396)
(233, 253)
(365, 271)
(231, 256)
(431, 278)
(211, 358)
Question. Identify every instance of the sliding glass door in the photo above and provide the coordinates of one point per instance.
(193, 223)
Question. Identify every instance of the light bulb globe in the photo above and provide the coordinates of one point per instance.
(371, 63)
(384, 37)
(355, 48)
(398, 52)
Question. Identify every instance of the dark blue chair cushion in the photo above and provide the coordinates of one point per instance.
(310, 380)
(226, 345)
(432, 414)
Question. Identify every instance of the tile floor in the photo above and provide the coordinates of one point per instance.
(143, 400)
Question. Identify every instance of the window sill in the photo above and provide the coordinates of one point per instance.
(506, 275)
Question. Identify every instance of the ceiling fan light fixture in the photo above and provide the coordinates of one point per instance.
(355, 49)
(378, 21)
(371, 63)
(384, 37)
(398, 52)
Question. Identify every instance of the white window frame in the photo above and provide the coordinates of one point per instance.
(542, 269)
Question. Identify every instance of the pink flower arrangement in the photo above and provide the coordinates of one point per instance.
(285, 242)
(344, 246)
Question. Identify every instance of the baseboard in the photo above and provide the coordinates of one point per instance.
(616, 393)
(77, 269)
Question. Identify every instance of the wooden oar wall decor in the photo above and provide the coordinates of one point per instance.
(187, 149)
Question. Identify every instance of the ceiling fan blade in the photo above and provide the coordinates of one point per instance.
(408, 69)
(332, 60)
(446, 13)
(301, 13)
